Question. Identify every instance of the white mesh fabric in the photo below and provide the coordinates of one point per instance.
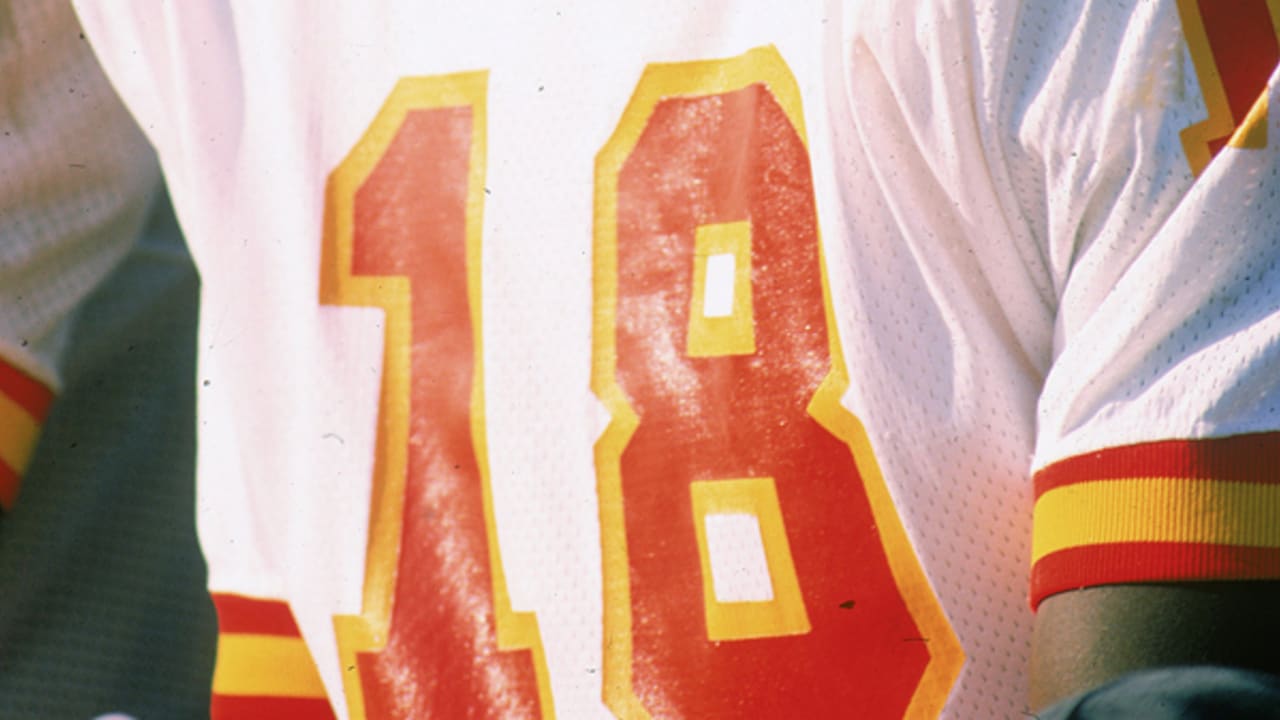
(75, 179)
(989, 178)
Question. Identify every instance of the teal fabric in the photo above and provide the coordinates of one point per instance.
(103, 607)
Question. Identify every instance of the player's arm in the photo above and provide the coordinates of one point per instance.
(1157, 515)
(1087, 637)
(1156, 535)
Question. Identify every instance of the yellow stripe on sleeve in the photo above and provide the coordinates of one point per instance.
(265, 665)
(1157, 510)
(18, 433)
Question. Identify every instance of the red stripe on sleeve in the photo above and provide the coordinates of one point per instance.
(252, 707)
(30, 394)
(240, 614)
(1253, 458)
(1090, 565)
(9, 483)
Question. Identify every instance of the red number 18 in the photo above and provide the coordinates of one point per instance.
(716, 353)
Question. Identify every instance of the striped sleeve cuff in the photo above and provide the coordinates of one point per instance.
(264, 669)
(1174, 510)
(24, 404)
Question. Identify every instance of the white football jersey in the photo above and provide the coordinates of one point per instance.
(672, 360)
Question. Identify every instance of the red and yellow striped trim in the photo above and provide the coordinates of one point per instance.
(1172, 510)
(24, 404)
(264, 669)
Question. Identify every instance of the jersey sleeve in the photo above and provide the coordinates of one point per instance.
(1158, 441)
(1067, 148)
(76, 179)
(1158, 423)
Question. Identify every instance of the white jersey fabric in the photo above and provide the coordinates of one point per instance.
(1020, 267)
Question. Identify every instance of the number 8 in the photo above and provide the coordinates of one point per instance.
(716, 354)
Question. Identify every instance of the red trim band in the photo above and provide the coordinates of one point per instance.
(10, 482)
(1253, 458)
(240, 614)
(30, 394)
(255, 707)
(1146, 562)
